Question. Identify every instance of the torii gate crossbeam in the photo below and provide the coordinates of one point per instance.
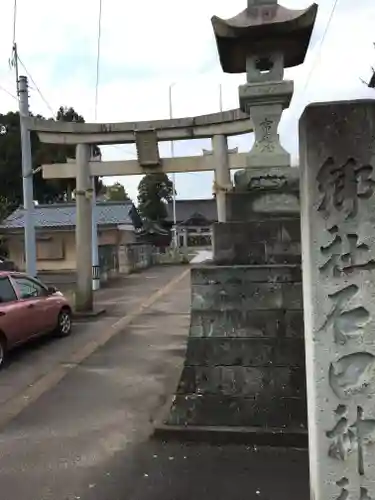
(146, 135)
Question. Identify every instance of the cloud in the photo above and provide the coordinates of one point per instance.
(146, 45)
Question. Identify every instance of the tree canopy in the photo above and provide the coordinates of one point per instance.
(116, 192)
(154, 192)
(45, 191)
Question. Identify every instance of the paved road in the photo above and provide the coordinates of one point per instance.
(84, 433)
(124, 298)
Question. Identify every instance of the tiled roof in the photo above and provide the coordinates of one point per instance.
(186, 208)
(64, 215)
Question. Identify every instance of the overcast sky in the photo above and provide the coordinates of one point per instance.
(148, 44)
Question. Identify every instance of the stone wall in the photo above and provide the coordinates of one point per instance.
(275, 241)
(135, 257)
(245, 356)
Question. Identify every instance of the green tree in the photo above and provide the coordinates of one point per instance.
(11, 162)
(154, 192)
(4, 208)
(116, 192)
(56, 153)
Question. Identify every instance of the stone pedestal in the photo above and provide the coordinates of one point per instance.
(245, 356)
(337, 151)
(244, 366)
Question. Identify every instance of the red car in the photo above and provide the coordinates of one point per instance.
(29, 309)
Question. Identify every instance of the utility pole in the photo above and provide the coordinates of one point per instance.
(174, 174)
(27, 177)
(95, 248)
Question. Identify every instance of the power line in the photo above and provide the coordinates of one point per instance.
(318, 54)
(98, 58)
(7, 92)
(13, 63)
(36, 86)
(16, 59)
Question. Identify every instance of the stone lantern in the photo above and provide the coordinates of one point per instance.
(244, 371)
(262, 41)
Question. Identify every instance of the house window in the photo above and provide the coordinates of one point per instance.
(49, 249)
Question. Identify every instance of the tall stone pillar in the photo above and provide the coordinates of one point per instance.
(84, 294)
(337, 152)
(222, 174)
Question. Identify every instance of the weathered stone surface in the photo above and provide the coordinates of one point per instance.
(244, 352)
(243, 381)
(266, 179)
(257, 243)
(252, 296)
(264, 204)
(294, 325)
(196, 409)
(337, 147)
(239, 275)
(247, 324)
(261, 206)
(275, 230)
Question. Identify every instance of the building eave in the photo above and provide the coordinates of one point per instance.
(60, 229)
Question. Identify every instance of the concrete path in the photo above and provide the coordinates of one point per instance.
(202, 256)
(85, 432)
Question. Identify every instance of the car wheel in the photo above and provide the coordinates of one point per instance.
(3, 351)
(64, 323)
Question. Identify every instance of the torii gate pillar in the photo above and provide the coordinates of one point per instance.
(84, 294)
(222, 174)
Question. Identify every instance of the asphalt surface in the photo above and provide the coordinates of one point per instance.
(88, 435)
(172, 471)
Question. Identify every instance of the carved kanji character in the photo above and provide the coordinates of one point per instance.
(345, 254)
(348, 438)
(341, 186)
(346, 321)
(343, 483)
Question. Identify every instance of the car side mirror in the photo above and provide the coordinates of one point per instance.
(52, 290)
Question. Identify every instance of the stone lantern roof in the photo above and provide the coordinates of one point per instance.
(264, 27)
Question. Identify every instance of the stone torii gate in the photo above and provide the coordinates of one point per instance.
(145, 135)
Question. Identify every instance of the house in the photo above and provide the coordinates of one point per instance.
(194, 219)
(55, 235)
